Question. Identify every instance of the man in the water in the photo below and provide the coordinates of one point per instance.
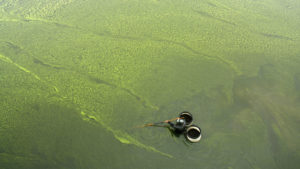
(178, 127)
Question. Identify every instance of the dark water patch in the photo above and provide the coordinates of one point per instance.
(179, 44)
(12, 51)
(37, 61)
(185, 46)
(67, 162)
(2, 150)
(100, 33)
(297, 86)
(128, 91)
(9, 48)
(245, 88)
(274, 140)
(261, 94)
(35, 151)
(267, 75)
(138, 98)
(125, 37)
(12, 45)
(27, 20)
(204, 102)
(61, 25)
(297, 82)
(42, 63)
(211, 4)
(100, 81)
(268, 35)
(12, 161)
(207, 15)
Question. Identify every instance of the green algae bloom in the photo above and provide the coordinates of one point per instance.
(77, 76)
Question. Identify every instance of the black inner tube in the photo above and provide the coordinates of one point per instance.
(193, 133)
(187, 118)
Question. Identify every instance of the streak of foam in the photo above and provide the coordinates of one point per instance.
(8, 60)
(123, 137)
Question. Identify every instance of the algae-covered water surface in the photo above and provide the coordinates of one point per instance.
(78, 76)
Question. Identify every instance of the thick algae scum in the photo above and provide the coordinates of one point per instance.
(121, 136)
(77, 77)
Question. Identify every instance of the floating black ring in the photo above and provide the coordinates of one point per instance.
(187, 116)
(193, 134)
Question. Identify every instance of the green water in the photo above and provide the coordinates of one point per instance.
(78, 76)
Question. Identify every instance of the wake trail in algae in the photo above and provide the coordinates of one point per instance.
(121, 136)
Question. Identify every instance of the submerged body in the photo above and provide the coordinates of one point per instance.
(179, 126)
